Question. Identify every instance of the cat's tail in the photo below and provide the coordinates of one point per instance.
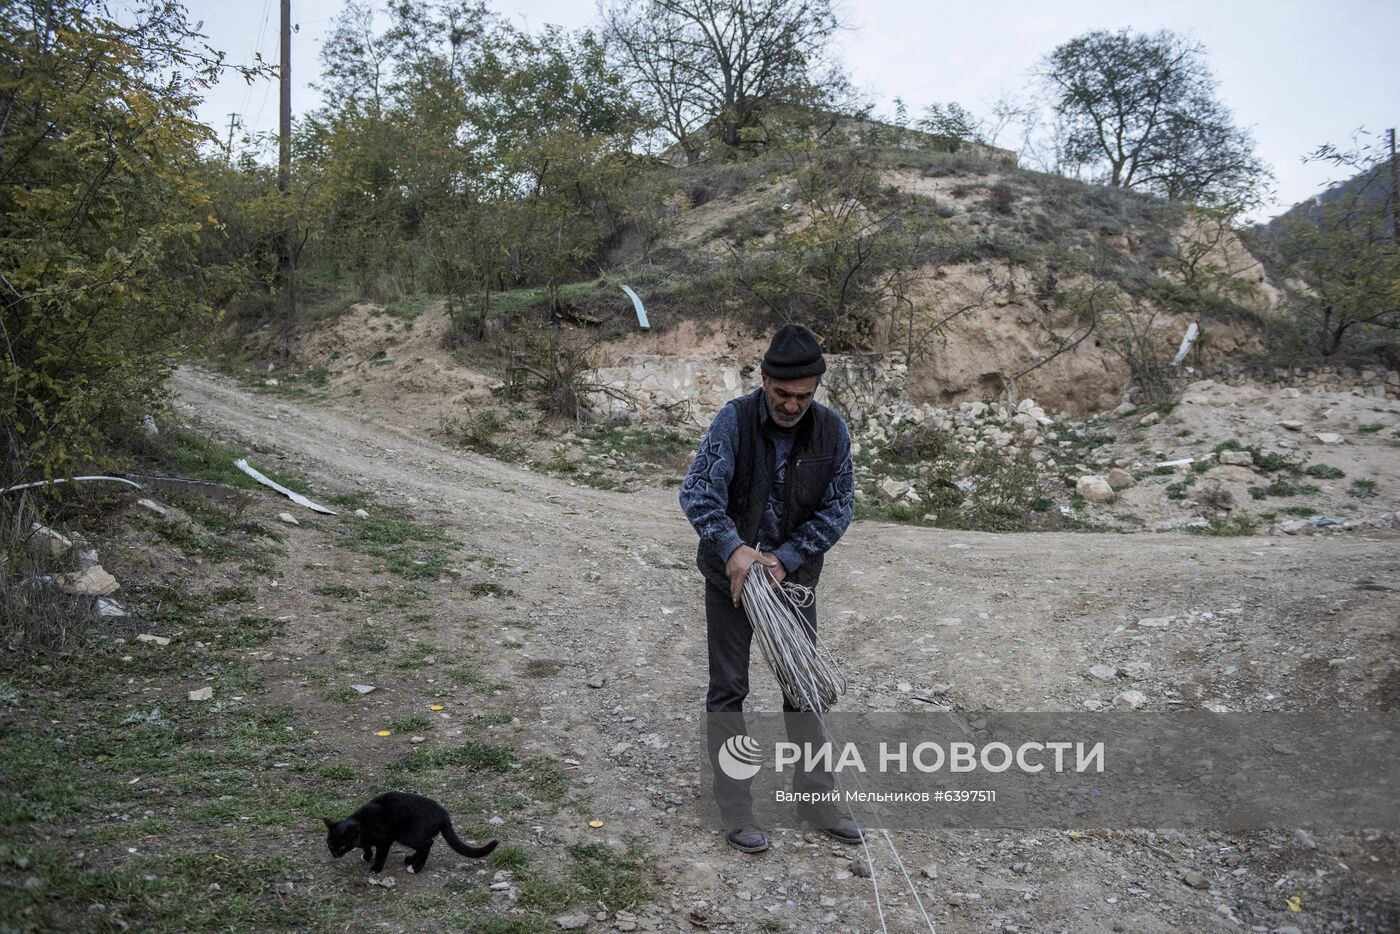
(456, 843)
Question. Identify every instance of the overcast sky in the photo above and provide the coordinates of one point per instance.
(1298, 73)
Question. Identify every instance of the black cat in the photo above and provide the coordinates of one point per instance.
(412, 820)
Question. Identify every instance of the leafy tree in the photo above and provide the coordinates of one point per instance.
(1141, 112)
(719, 64)
(950, 123)
(1344, 249)
(106, 221)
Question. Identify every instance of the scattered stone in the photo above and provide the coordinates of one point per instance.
(1329, 437)
(1127, 408)
(1290, 424)
(1018, 868)
(843, 874)
(288, 518)
(1227, 473)
(1155, 622)
(572, 922)
(1130, 700)
(1103, 672)
(361, 514)
(388, 882)
(1194, 879)
(1150, 419)
(598, 681)
(415, 740)
(954, 899)
(202, 694)
(1094, 489)
(929, 872)
(44, 540)
(363, 688)
(215, 887)
(1289, 393)
(893, 489)
(904, 687)
(861, 868)
(92, 582)
(1138, 670)
(1237, 458)
(151, 505)
(1296, 527)
(1120, 479)
(285, 888)
(153, 640)
(1303, 839)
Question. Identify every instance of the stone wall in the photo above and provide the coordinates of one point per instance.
(1374, 381)
(689, 390)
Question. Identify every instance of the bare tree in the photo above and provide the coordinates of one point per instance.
(720, 63)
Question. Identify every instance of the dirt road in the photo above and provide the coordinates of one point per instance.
(607, 585)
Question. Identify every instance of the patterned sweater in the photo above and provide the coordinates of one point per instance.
(704, 495)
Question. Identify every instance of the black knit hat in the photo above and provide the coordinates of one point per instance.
(794, 354)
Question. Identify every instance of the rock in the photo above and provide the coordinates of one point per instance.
(1130, 700)
(1303, 839)
(388, 882)
(286, 888)
(929, 872)
(288, 518)
(215, 887)
(1018, 868)
(151, 505)
(1155, 622)
(1237, 458)
(893, 489)
(202, 694)
(153, 640)
(597, 681)
(45, 541)
(843, 874)
(1296, 527)
(572, 922)
(1150, 419)
(93, 582)
(1120, 479)
(415, 740)
(360, 513)
(1329, 437)
(1127, 408)
(1194, 879)
(1291, 425)
(904, 687)
(1289, 393)
(1094, 489)
(1138, 670)
(363, 688)
(861, 868)
(1103, 672)
(954, 899)
(1231, 474)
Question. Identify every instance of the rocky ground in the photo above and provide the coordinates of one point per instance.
(535, 650)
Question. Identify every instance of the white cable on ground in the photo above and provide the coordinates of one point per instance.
(807, 673)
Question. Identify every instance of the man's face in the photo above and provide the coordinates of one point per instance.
(789, 399)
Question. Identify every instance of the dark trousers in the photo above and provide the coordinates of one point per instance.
(730, 637)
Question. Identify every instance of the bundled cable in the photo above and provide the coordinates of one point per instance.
(804, 667)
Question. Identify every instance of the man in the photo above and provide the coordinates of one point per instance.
(772, 487)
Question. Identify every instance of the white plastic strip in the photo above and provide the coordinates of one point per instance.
(297, 498)
(1186, 343)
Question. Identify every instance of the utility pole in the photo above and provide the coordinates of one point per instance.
(228, 147)
(1394, 190)
(284, 155)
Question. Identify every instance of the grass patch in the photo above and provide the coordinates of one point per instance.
(472, 756)
(341, 695)
(1324, 472)
(365, 639)
(1233, 526)
(1370, 428)
(407, 549)
(1281, 487)
(489, 589)
(195, 457)
(664, 447)
(413, 724)
(1362, 489)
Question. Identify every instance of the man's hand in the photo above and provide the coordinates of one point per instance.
(738, 565)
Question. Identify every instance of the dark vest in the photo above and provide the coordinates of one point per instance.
(809, 470)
